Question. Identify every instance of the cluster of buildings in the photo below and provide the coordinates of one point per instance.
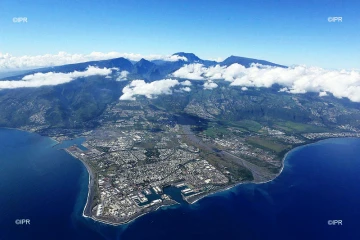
(138, 151)
(282, 136)
(132, 167)
(314, 136)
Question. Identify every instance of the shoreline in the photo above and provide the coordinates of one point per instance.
(276, 176)
(264, 182)
(90, 182)
(189, 202)
(90, 190)
(223, 189)
(131, 220)
(241, 183)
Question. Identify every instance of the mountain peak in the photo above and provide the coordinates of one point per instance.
(189, 56)
(145, 68)
(247, 61)
(144, 62)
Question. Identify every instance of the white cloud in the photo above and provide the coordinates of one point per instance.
(322, 94)
(209, 85)
(186, 83)
(285, 89)
(191, 71)
(9, 62)
(244, 88)
(150, 90)
(174, 58)
(218, 59)
(295, 79)
(197, 71)
(52, 78)
(122, 76)
(186, 89)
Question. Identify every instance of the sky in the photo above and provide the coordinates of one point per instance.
(285, 32)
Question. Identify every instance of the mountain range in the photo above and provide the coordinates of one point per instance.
(81, 103)
(144, 69)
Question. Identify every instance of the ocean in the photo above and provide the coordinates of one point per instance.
(319, 183)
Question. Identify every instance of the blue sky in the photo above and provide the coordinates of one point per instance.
(285, 32)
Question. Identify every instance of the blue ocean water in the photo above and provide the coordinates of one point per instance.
(320, 182)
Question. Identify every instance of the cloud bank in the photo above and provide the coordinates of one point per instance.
(9, 62)
(153, 89)
(186, 89)
(295, 79)
(186, 83)
(52, 78)
(150, 90)
(122, 76)
(209, 85)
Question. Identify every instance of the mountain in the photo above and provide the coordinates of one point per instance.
(192, 58)
(247, 62)
(7, 74)
(81, 103)
(143, 69)
(121, 63)
(189, 56)
(147, 70)
(144, 66)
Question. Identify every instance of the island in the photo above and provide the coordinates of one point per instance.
(177, 144)
(136, 155)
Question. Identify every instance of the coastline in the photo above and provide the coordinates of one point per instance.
(90, 191)
(90, 185)
(24, 130)
(221, 189)
(277, 175)
(91, 182)
(252, 182)
(224, 188)
(238, 184)
(131, 220)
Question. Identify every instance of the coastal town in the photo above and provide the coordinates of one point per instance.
(151, 152)
(134, 160)
(130, 179)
